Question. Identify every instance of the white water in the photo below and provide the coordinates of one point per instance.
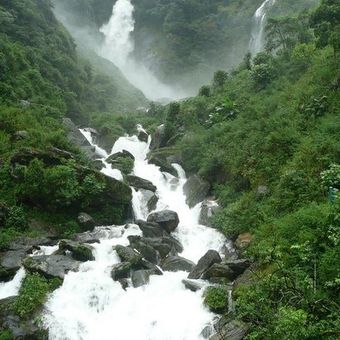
(90, 305)
(119, 45)
(257, 40)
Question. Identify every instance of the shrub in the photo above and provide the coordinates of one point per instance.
(216, 299)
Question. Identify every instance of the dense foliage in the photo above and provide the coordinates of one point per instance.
(267, 137)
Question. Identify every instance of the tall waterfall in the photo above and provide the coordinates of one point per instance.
(118, 46)
(90, 305)
(257, 40)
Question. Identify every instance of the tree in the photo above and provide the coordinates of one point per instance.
(220, 78)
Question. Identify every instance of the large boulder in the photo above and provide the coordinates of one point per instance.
(167, 219)
(219, 273)
(151, 198)
(208, 209)
(150, 229)
(211, 257)
(127, 254)
(80, 252)
(7, 274)
(85, 221)
(143, 136)
(243, 241)
(228, 328)
(52, 266)
(121, 271)
(177, 263)
(11, 260)
(140, 183)
(238, 266)
(163, 158)
(123, 161)
(196, 190)
(148, 252)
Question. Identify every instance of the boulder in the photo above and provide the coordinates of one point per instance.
(161, 159)
(158, 138)
(80, 252)
(150, 229)
(167, 219)
(121, 271)
(7, 274)
(196, 190)
(85, 221)
(140, 278)
(177, 263)
(151, 198)
(211, 257)
(52, 266)
(123, 161)
(228, 328)
(243, 241)
(219, 273)
(143, 136)
(140, 183)
(12, 259)
(98, 164)
(147, 251)
(238, 266)
(127, 254)
(208, 210)
(194, 286)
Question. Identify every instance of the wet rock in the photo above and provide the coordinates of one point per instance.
(207, 331)
(53, 266)
(208, 210)
(154, 269)
(98, 164)
(140, 183)
(245, 279)
(194, 286)
(140, 278)
(12, 259)
(147, 251)
(243, 241)
(219, 271)
(28, 243)
(150, 229)
(7, 274)
(123, 161)
(127, 254)
(160, 158)
(228, 328)
(85, 221)
(158, 138)
(143, 136)
(80, 252)
(121, 271)
(177, 263)
(211, 257)
(195, 189)
(238, 266)
(21, 135)
(124, 283)
(167, 219)
(151, 198)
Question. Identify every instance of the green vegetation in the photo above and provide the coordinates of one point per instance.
(33, 294)
(216, 299)
(267, 137)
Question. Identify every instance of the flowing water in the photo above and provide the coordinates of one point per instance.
(257, 40)
(118, 46)
(90, 305)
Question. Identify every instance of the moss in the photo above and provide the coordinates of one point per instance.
(216, 299)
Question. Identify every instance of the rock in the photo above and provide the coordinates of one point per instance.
(177, 263)
(12, 259)
(158, 138)
(121, 271)
(243, 241)
(151, 198)
(238, 266)
(208, 210)
(127, 254)
(92, 131)
(21, 135)
(155, 270)
(140, 278)
(7, 274)
(150, 229)
(124, 283)
(143, 136)
(245, 279)
(98, 164)
(207, 331)
(192, 285)
(195, 189)
(219, 271)
(228, 328)
(123, 161)
(211, 257)
(80, 252)
(147, 251)
(85, 221)
(52, 266)
(167, 219)
(160, 159)
(29, 244)
(140, 183)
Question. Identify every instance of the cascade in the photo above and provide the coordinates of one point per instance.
(90, 305)
(118, 46)
(256, 43)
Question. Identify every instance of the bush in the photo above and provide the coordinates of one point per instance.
(17, 219)
(216, 299)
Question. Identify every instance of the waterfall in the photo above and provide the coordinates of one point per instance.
(257, 40)
(118, 46)
(90, 305)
